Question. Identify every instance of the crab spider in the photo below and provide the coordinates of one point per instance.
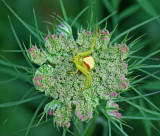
(84, 62)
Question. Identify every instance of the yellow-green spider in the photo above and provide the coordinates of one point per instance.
(84, 62)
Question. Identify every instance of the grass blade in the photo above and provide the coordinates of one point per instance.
(109, 127)
(11, 65)
(124, 133)
(9, 104)
(143, 109)
(148, 56)
(140, 118)
(28, 92)
(13, 51)
(89, 125)
(16, 37)
(145, 4)
(147, 66)
(9, 80)
(36, 25)
(30, 124)
(137, 97)
(128, 11)
(139, 57)
(134, 27)
(22, 22)
(145, 98)
(103, 20)
(152, 75)
(63, 10)
(76, 18)
(143, 78)
(24, 129)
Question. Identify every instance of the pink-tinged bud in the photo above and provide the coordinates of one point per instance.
(89, 113)
(104, 38)
(124, 84)
(50, 112)
(126, 65)
(35, 47)
(82, 118)
(33, 54)
(60, 35)
(61, 116)
(123, 77)
(68, 124)
(36, 57)
(123, 49)
(101, 31)
(87, 116)
(35, 79)
(60, 25)
(40, 77)
(30, 50)
(46, 39)
(53, 36)
(112, 94)
(40, 85)
(116, 105)
(123, 61)
(107, 96)
(107, 33)
(115, 111)
(115, 94)
(120, 46)
(119, 115)
(78, 113)
(88, 32)
(36, 83)
(111, 113)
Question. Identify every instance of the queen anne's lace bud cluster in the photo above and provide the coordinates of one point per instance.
(62, 115)
(112, 110)
(107, 81)
(36, 55)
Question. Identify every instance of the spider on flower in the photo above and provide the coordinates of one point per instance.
(85, 63)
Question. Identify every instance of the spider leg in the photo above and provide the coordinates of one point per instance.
(74, 50)
(83, 54)
(74, 72)
(87, 74)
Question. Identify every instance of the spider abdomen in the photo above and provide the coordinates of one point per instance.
(88, 61)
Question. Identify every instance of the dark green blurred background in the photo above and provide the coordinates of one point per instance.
(129, 13)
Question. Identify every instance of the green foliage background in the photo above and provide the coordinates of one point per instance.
(129, 13)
